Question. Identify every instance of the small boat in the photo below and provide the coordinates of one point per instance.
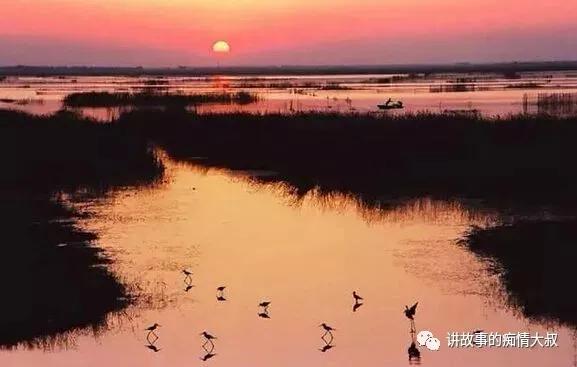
(391, 105)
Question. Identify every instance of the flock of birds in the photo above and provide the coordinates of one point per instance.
(328, 338)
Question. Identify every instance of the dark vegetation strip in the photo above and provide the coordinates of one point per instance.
(154, 98)
(536, 261)
(65, 151)
(521, 159)
(54, 279)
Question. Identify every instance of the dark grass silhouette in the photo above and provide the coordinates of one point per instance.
(54, 280)
(154, 98)
(65, 151)
(536, 261)
(521, 159)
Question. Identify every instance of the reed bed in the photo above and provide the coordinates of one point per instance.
(155, 98)
(557, 103)
(56, 281)
(521, 158)
(532, 258)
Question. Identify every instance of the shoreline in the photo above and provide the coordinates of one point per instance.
(56, 279)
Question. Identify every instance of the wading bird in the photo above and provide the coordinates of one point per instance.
(357, 297)
(264, 305)
(151, 330)
(207, 336)
(410, 312)
(327, 328)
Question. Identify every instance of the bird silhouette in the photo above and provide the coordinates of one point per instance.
(207, 336)
(153, 327)
(410, 312)
(357, 297)
(356, 306)
(264, 304)
(220, 298)
(220, 289)
(153, 348)
(151, 331)
(327, 327)
(186, 272)
(188, 287)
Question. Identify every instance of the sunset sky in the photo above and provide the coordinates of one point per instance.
(273, 32)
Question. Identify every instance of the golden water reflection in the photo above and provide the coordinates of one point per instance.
(304, 256)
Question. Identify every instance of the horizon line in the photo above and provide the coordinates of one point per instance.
(408, 64)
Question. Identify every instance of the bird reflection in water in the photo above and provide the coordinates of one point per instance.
(413, 350)
(153, 348)
(326, 348)
(414, 354)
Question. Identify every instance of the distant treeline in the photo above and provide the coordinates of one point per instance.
(506, 68)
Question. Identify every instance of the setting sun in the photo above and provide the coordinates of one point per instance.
(221, 47)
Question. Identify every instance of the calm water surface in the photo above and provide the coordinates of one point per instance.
(306, 257)
(489, 94)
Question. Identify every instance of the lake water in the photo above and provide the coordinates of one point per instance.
(306, 257)
(489, 94)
